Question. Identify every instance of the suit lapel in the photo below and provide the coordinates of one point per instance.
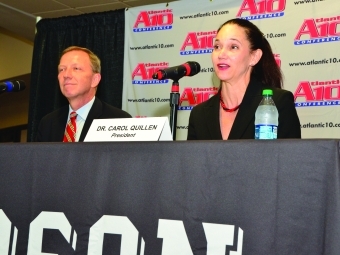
(94, 113)
(212, 117)
(246, 112)
(60, 124)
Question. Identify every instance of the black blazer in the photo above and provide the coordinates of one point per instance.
(52, 126)
(204, 123)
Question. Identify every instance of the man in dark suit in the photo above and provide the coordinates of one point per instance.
(79, 76)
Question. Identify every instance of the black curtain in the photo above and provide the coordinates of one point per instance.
(103, 33)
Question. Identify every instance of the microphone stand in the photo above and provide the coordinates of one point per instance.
(174, 103)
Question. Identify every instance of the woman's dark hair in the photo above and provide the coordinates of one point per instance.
(266, 70)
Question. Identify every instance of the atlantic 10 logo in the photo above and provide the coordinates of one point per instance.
(262, 9)
(319, 30)
(142, 74)
(154, 21)
(317, 93)
(277, 59)
(194, 96)
(198, 43)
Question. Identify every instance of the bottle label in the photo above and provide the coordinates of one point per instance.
(265, 132)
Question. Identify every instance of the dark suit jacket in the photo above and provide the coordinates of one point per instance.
(204, 123)
(52, 126)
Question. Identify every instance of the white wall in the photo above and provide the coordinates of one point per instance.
(15, 54)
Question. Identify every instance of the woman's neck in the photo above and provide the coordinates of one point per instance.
(233, 93)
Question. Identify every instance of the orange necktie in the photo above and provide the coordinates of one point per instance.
(70, 131)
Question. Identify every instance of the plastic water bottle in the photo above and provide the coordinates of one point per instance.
(266, 117)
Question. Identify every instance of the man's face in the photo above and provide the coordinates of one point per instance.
(76, 78)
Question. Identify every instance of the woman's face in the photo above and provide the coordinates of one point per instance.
(232, 57)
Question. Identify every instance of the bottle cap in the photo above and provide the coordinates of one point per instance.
(267, 92)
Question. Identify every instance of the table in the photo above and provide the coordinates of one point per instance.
(159, 198)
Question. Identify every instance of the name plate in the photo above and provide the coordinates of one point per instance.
(129, 129)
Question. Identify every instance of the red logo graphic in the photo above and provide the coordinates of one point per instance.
(198, 42)
(193, 96)
(144, 72)
(319, 30)
(154, 20)
(277, 59)
(262, 9)
(318, 91)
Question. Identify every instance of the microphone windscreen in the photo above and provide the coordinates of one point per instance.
(18, 85)
(195, 68)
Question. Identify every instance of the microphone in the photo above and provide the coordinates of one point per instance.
(12, 86)
(189, 68)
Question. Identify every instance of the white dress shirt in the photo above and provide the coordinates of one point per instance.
(82, 113)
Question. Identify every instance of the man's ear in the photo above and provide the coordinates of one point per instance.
(96, 79)
(256, 56)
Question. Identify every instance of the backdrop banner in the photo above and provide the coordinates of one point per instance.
(304, 35)
(166, 198)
